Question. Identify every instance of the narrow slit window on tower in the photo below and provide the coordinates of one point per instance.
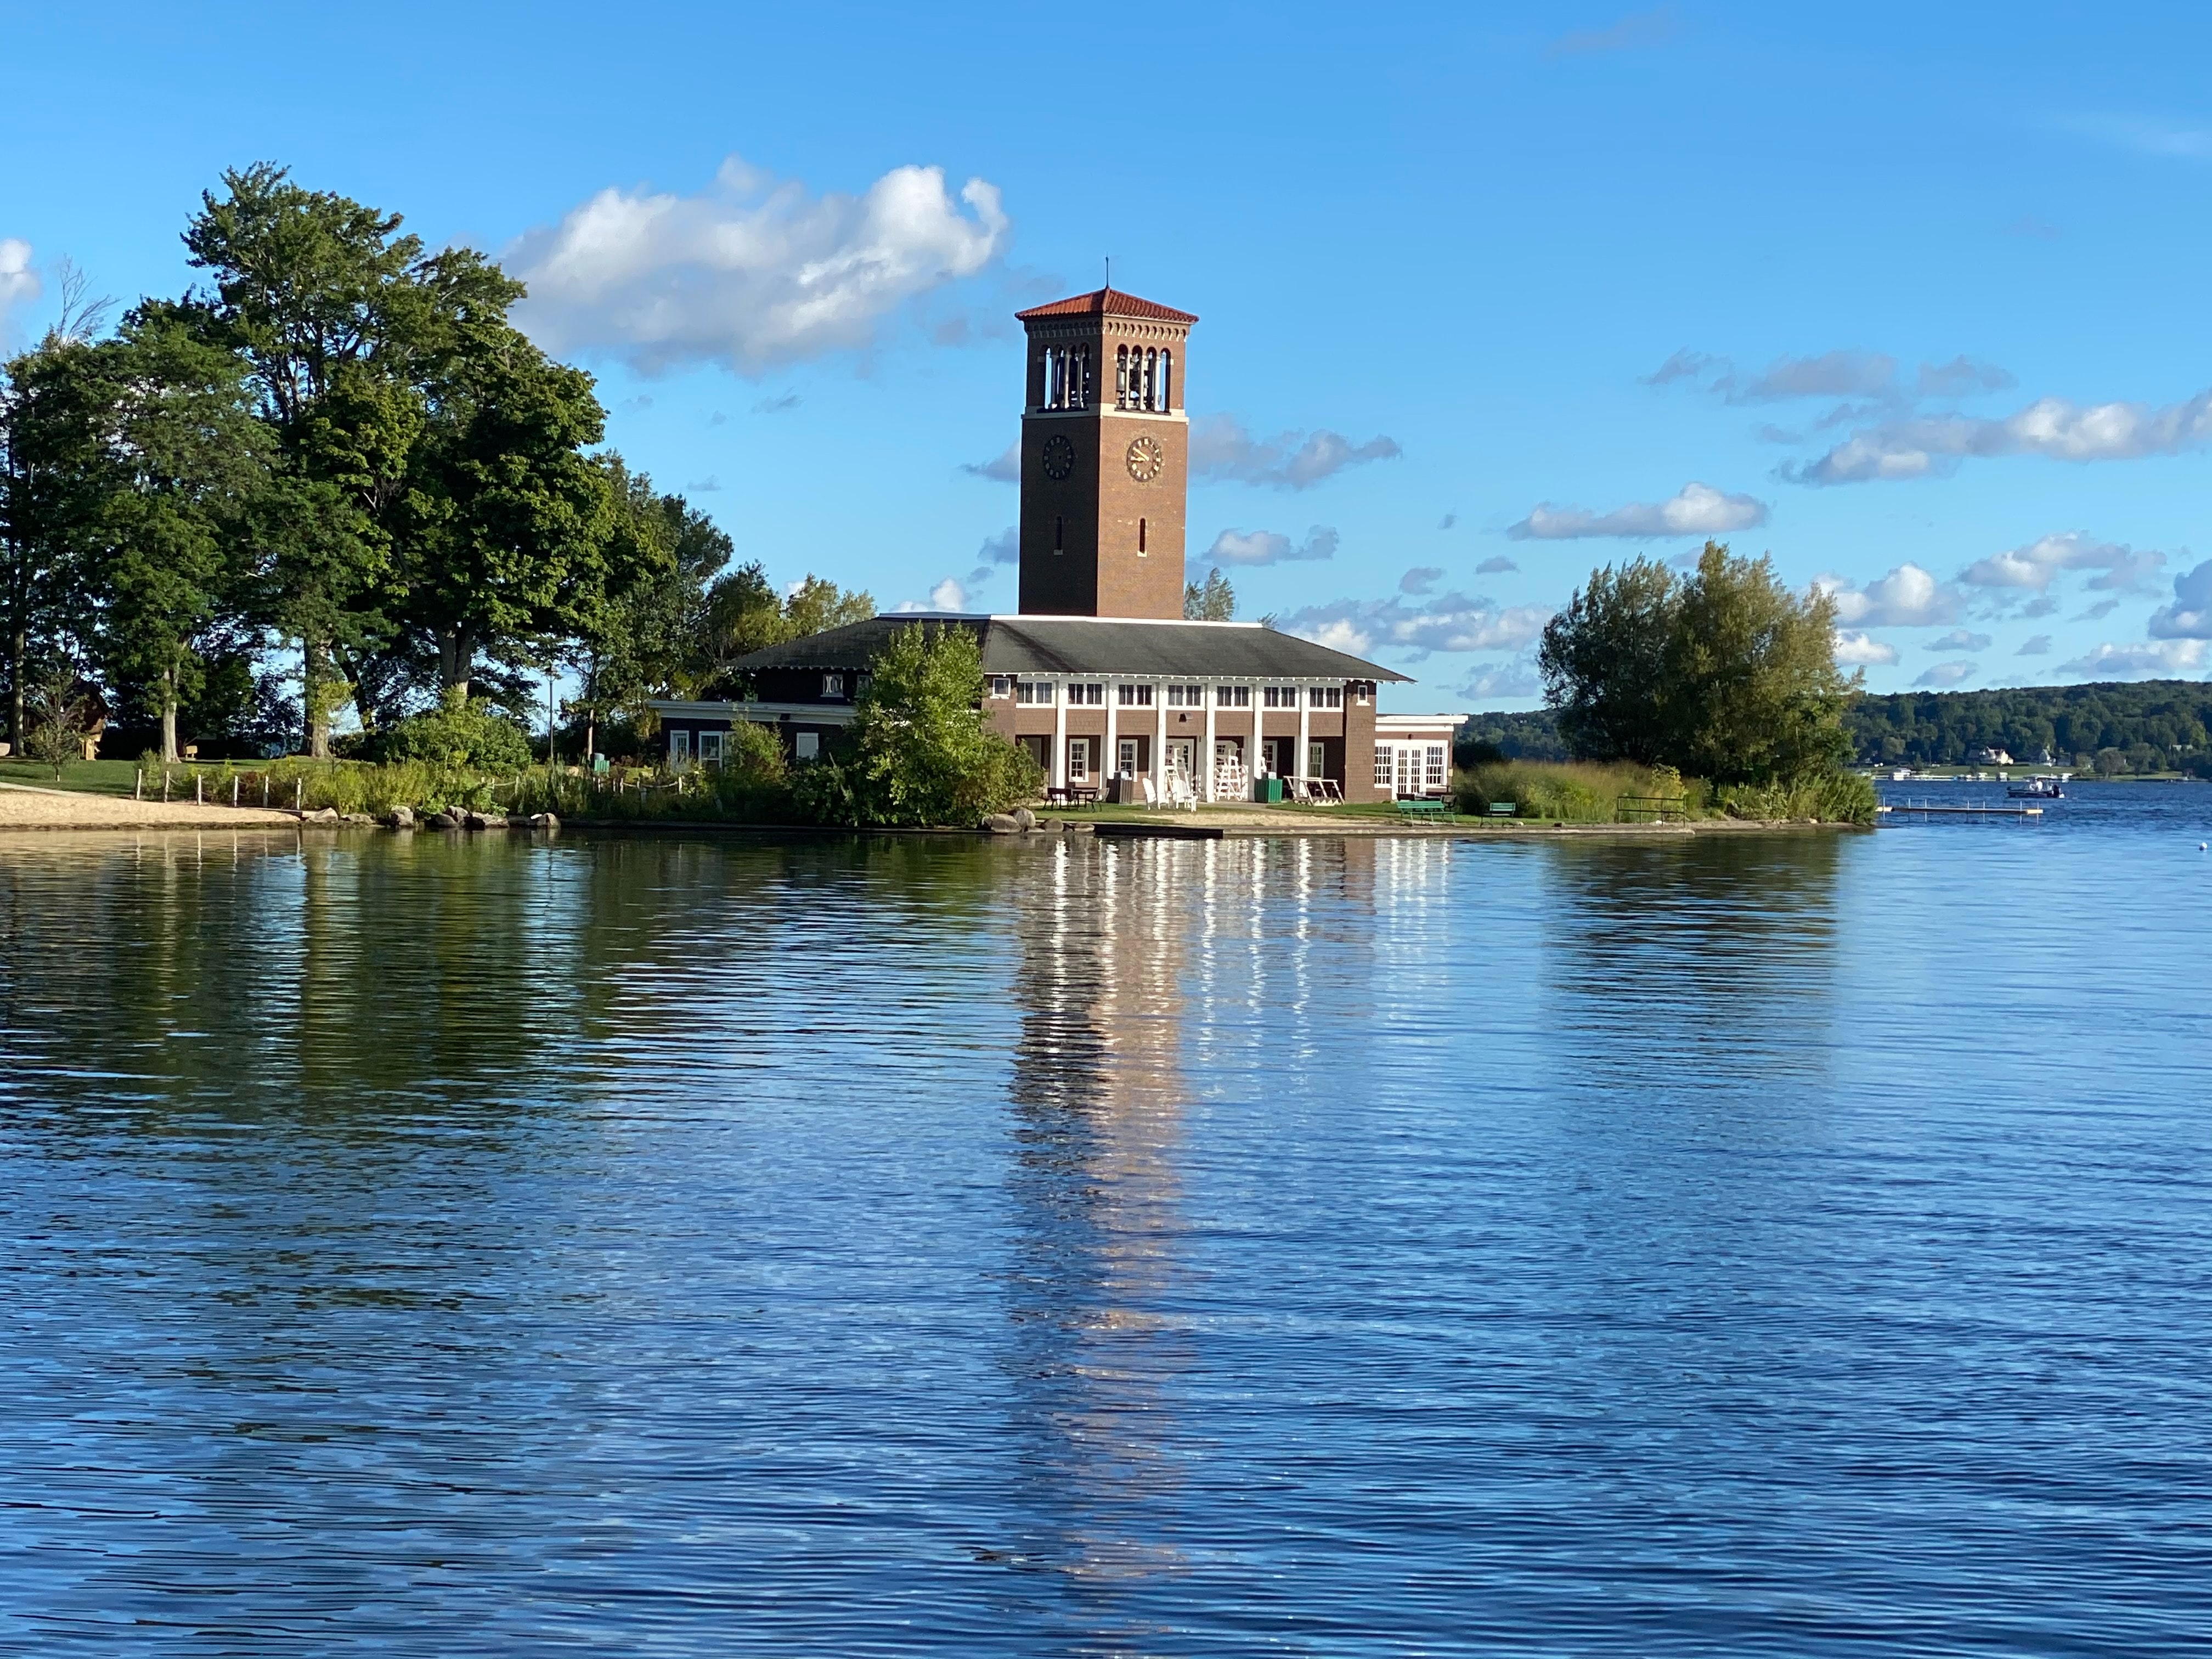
(1059, 533)
(1120, 377)
(1167, 372)
(1082, 377)
(1140, 535)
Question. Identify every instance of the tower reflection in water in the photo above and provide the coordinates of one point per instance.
(1145, 976)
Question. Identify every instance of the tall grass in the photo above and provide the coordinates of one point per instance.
(1575, 792)
(1832, 798)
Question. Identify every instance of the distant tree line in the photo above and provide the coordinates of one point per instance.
(2113, 727)
(336, 475)
(2153, 726)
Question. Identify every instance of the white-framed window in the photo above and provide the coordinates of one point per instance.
(1232, 696)
(1125, 762)
(1185, 697)
(1316, 761)
(1385, 759)
(1038, 692)
(1279, 696)
(807, 744)
(832, 685)
(1134, 696)
(1002, 685)
(1079, 760)
(1084, 695)
(1325, 696)
(679, 748)
(710, 749)
(1435, 767)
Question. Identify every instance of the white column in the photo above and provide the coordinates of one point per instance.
(1298, 760)
(1056, 774)
(1111, 765)
(1160, 739)
(1208, 692)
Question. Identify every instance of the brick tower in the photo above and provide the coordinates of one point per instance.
(1105, 458)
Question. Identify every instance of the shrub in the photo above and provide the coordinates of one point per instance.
(1826, 798)
(460, 732)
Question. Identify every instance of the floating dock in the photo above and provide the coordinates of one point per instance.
(1961, 812)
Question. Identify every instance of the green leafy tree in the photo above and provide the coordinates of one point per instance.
(509, 537)
(54, 409)
(1604, 663)
(61, 718)
(918, 751)
(1725, 674)
(186, 462)
(342, 319)
(1211, 600)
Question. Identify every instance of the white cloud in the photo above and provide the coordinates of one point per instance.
(947, 596)
(1960, 640)
(749, 273)
(1696, 509)
(1220, 447)
(1947, 673)
(2053, 427)
(1856, 648)
(2037, 647)
(1517, 678)
(1421, 578)
(1005, 548)
(1235, 547)
(1908, 597)
(1005, 467)
(1450, 622)
(2130, 662)
(18, 281)
(1494, 566)
(2189, 616)
(2038, 563)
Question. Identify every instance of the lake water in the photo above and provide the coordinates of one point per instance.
(1794, 1244)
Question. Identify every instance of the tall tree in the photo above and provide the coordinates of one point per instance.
(1211, 600)
(509, 537)
(52, 416)
(186, 462)
(340, 316)
(1726, 674)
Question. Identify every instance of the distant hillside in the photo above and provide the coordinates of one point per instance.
(2148, 727)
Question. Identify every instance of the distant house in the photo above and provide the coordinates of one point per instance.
(1992, 757)
(1097, 674)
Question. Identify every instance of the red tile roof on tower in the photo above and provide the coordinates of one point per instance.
(1107, 302)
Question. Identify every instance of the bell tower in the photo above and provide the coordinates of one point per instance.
(1105, 458)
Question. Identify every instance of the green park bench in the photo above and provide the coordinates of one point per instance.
(1424, 809)
(1502, 809)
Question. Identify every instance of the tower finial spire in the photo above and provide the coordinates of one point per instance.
(1110, 271)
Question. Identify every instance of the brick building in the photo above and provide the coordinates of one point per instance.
(1098, 674)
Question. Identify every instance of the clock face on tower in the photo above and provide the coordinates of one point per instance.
(1146, 457)
(1059, 457)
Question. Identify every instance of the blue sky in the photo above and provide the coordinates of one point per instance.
(1489, 295)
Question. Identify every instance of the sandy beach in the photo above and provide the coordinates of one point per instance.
(23, 807)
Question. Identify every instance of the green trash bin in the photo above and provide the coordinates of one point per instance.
(1269, 790)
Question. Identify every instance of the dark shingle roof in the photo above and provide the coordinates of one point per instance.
(1085, 645)
(1107, 302)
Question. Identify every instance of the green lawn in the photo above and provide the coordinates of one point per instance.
(100, 777)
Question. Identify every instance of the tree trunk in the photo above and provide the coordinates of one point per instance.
(456, 657)
(314, 686)
(169, 716)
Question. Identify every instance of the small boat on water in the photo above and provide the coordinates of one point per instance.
(2037, 789)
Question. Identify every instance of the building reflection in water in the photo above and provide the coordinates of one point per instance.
(1138, 970)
